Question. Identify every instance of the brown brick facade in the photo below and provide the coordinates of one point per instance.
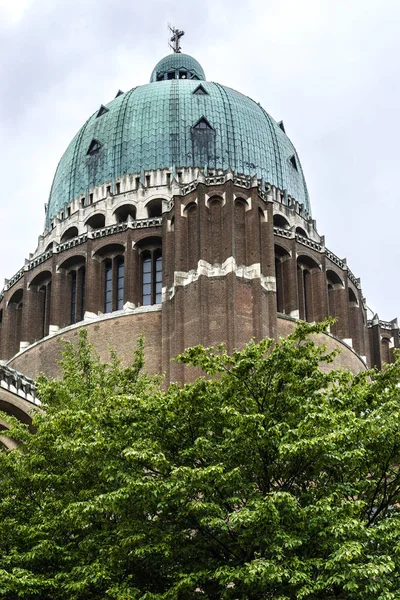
(228, 271)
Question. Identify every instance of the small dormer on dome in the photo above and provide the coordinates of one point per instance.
(177, 66)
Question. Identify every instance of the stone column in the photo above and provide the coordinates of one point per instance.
(94, 283)
(290, 286)
(32, 316)
(318, 293)
(60, 304)
(338, 299)
(131, 273)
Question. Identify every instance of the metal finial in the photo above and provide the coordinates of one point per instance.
(175, 39)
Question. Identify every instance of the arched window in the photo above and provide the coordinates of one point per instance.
(74, 269)
(158, 285)
(281, 276)
(70, 234)
(73, 297)
(108, 287)
(120, 282)
(42, 285)
(96, 221)
(154, 208)
(78, 294)
(45, 290)
(306, 265)
(114, 284)
(300, 231)
(14, 310)
(281, 222)
(123, 212)
(151, 277)
(82, 277)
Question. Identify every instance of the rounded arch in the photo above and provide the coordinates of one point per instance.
(281, 278)
(49, 246)
(192, 206)
(305, 260)
(15, 406)
(281, 221)
(109, 250)
(301, 231)
(15, 307)
(333, 280)
(353, 301)
(73, 262)
(151, 241)
(69, 234)
(40, 284)
(386, 343)
(215, 201)
(40, 279)
(154, 208)
(124, 211)
(241, 200)
(281, 253)
(96, 221)
(16, 297)
(261, 214)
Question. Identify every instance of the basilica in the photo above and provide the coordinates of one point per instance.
(179, 210)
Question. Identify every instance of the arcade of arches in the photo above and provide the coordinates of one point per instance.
(219, 265)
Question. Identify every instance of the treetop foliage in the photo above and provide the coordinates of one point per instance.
(267, 478)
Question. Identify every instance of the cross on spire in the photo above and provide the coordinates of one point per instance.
(175, 39)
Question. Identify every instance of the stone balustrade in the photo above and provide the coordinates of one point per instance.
(80, 239)
(18, 384)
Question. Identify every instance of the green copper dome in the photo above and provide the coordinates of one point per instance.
(177, 66)
(175, 123)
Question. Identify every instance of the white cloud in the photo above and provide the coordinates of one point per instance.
(12, 11)
(330, 70)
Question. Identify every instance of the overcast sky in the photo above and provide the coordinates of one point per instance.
(329, 69)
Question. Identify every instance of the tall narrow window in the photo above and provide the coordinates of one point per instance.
(83, 291)
(158, 286)
(73, 297)
(152, 277)
(108, 286)
(120, 283)
(46, 298)
(306, 275)
(147, 279)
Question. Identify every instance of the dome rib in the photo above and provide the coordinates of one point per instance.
(151, 127)
(225, 97)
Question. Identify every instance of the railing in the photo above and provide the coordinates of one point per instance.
(76, 241)
(18, 384)
(190, 187)
(215, 180)
(39, 259)
(335, 259)
(152, 222)
(354, 279)
(309, 243)
(15, 278)
(109, 230)
(386, 324)
(286, 233)
(242, 182)
(80, 239)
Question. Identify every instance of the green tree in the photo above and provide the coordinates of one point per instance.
(269, 478)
